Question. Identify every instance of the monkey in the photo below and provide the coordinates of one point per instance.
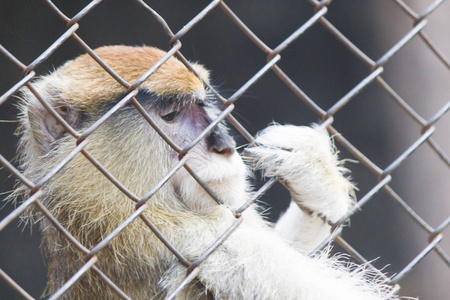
(257, 260)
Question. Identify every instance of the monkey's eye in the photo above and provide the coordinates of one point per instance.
(170, 116)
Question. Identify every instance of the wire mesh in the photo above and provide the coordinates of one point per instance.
(274, 55)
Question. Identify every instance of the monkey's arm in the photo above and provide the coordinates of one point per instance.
(304, 230)
(306, 160)
(255, 263)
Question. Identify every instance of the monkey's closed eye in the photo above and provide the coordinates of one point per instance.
(170, 116)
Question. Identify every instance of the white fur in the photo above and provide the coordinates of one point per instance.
(305, 158)
(305, 231)
(254, 263)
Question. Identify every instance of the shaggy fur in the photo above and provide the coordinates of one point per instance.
(253, 263)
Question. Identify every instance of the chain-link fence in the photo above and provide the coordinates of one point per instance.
(275, 68)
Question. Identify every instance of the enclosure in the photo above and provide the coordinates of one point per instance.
(377, 73)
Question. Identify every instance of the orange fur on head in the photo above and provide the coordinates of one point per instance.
(91, 86)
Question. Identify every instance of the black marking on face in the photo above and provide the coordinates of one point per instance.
(171, 109)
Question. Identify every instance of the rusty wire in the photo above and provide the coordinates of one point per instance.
(273, 57)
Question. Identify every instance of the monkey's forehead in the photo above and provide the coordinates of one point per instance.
(87, 84)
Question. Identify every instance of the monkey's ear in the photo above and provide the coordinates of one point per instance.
(44, 127)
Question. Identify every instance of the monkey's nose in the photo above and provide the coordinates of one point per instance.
(220, 143)
(224, 151)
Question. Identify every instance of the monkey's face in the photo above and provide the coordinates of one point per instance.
(126, 145)
(213, 159)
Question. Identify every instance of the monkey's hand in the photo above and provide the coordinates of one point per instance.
(306, 160)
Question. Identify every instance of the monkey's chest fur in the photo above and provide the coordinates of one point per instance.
(135, 260)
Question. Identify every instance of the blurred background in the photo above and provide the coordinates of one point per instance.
(318, 63)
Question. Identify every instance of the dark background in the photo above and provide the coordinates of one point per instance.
(316, 62)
